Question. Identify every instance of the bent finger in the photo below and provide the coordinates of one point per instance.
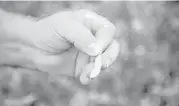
(103, 29)
(110, 55)
(71, 30)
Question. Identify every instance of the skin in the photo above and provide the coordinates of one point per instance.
(60, 44)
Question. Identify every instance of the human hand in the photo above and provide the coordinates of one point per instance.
(67, 42)
(81, 29)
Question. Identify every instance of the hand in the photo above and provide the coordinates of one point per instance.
(66, 43)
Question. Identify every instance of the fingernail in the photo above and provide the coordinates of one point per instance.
(95, 49)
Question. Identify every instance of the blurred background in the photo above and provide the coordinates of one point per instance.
(146, 72)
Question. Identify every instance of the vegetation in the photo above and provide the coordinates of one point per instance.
(146, 72)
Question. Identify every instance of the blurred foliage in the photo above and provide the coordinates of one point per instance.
(145, 74)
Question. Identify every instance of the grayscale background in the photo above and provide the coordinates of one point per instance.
(145, 74)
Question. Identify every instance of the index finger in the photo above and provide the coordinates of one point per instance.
(70, 30)
(103, 29)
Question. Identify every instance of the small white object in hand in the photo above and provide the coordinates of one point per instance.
(97, 67)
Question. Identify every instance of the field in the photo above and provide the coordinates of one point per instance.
(145, 74)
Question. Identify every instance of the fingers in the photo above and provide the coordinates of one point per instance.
(80, 36)
(104, 37)
(84, 68)
(71, 30)
(81, 61)
(111, 54)
(97, 67)
(77, 27)
(103, 29)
